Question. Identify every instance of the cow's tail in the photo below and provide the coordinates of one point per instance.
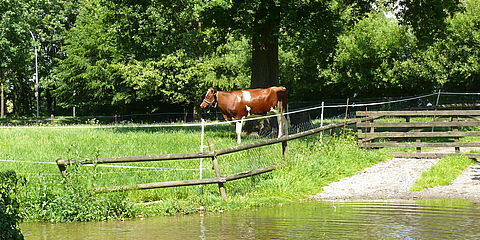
(282, 96)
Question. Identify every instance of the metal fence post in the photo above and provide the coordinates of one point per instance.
(438, 98)
(346, 113)
(321, 121)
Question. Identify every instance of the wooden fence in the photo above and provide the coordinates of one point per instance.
(212, 154)
(397, 128)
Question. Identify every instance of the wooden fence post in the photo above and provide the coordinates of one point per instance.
(419, 149)
(455, 129)
(345, 119)
(62, 167)
(221, 187)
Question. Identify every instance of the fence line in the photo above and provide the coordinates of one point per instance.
(233, 121)
(41, 174)
(203, 124)
(454, 93)
(20, 161)
(220, 180)
(107, 166)
(210, 154)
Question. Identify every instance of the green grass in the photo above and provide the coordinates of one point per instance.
(442, 173)
(47, 196)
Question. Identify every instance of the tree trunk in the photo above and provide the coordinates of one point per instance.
(49, 101)
(22, 96)
(265, 45)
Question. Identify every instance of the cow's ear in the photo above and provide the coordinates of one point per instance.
(214, 91)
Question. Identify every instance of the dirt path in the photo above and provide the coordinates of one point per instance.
(391, 180)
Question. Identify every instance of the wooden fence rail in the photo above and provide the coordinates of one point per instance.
(395, 133)
(213, 154)
(450, 113)
(217, 180)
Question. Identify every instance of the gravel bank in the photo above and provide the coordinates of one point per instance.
(392, 179)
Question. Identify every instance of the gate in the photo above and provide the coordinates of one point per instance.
(420, 129)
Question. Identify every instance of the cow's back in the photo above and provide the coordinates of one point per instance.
(240, 103)
(263, 100)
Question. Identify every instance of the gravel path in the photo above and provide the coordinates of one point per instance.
(392, 179)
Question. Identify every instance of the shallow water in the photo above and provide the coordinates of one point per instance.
(312, 220)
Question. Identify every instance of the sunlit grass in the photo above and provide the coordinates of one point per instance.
(442, 173)
(310, 164)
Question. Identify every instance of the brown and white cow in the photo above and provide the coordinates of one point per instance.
(236, 105)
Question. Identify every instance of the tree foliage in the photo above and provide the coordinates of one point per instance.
(142, 54)
(427, 18)
(368, 56)
(118, 57)
(460, 50)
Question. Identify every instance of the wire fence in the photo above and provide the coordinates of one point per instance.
(301, 116)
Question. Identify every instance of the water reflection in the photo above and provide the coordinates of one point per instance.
(312, 220)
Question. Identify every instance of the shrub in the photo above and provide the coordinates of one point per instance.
(9, 206)
(73, 199)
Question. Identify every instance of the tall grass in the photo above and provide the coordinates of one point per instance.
(311, 164)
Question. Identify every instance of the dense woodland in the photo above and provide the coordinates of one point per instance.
(147, 56)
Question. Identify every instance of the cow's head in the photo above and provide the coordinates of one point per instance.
(210, 99)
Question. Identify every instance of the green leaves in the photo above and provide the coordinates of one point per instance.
(171, 78)
(109, 57)
(380, 57)
(9, 205)
(367, 56)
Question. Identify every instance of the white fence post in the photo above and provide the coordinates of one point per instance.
(321, 121)
(438, 98)
(436, 106)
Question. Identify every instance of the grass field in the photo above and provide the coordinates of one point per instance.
(46, 196)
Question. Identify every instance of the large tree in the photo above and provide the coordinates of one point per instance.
(306, 26)
(427, 18)
(259, 20)
(24, 26)
(142, 55)
(16, 55)
(454, 61)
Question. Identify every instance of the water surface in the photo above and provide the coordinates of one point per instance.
(311, 220)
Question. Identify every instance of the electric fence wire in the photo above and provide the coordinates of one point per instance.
(231, 121)
(104, 165)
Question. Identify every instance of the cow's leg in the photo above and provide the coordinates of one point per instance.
(280, 127)
(238, 129)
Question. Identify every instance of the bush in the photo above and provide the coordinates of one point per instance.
(9, 206)
(73, 199)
